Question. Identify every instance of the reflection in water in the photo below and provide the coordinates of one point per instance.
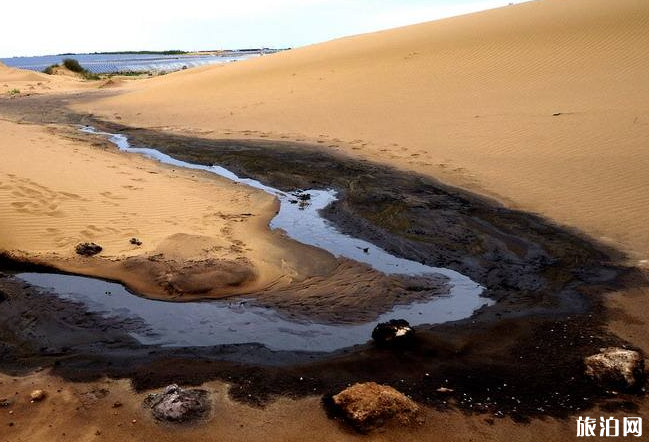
(195, 324)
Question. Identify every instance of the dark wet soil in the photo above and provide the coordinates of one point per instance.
(521, 357)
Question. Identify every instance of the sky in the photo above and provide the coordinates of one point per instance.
(40, 27)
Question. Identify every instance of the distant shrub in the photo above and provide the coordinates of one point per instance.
(129, 73)
(73, 65)
(50, 69)
(90, 76)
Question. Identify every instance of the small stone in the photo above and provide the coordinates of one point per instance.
(135, 241)
(117, 404)
(369, 405)
(134, 421)
(393, 333)
(88, 249)
(175, 404)
(37, 395)
(615, 367)
(445, 390)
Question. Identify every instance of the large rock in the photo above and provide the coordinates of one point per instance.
(396, 332)
(370, 405)
(177, 405)
(615, 367)
(88, 248)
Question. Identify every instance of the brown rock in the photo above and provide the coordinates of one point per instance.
(370, 405)
(37, 395)
(615, 367)
(88, 249)
(174, 404)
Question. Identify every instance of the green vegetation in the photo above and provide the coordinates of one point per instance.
(50, 69)
(129, 73)
(73, 65)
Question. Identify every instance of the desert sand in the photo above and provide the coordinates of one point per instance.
(86, 412)
(469, 100)
(30, 82)
(201, 235)
(543, 106)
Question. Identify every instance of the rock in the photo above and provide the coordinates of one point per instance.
(615, 367)
(396, 332)
(177, 405)
(3, 296)
(88, 249)
(445, 390)
(135, 241)
(370, 405)
(37, 395)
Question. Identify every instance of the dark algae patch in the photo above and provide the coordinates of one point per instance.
(521, 357)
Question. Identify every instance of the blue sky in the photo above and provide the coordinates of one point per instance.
(48, 26)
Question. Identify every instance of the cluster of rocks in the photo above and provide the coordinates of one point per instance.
(175, 404)
(88, 249)
(367, 406)
(135, 242)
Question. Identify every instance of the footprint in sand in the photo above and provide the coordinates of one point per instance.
(111, 196)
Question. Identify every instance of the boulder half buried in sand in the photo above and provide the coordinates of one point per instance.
(615, 367)
(175, 404)
(88, 249)
(369, 405)
(396, 332)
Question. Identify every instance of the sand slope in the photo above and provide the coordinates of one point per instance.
(469, 99)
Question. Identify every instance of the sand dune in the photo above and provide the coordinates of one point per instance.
(8, 74)
(469, 99)
(31, 82)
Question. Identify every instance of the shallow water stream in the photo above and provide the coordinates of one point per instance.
(223, 322)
